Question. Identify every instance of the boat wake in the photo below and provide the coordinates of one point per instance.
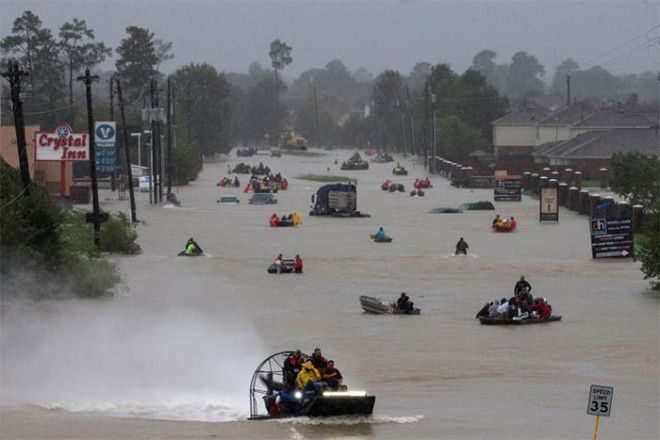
(350, 420)
(460, 256)
(202, 411)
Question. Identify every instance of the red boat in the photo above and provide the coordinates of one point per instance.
(423, 184)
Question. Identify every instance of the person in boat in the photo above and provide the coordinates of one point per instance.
(192, 248)
(308, 378)
(503, 309)
(545, 309)
(520, 285)
(274, 221)
(284, 221)
(404, 304)
(380, 235)
(461, 247)
(237, 182)
(318, 360)
(332, 376)
(496, 220)
(492, 310)
(513, 224)
(291, 368)
(278, 263)
(298, 264)
(525, 297)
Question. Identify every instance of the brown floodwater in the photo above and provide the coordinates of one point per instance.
(182, 336)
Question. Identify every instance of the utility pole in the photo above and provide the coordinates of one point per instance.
(316, 119)
(129, 171)
(87, 78)
(412, 125)
(169, 139)
(433, 122)
(15, 75)
(154, 136)
(159, 152)
(113, 176)
(426, 124)
(568, 90)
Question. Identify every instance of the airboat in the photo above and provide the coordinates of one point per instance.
(268, 380)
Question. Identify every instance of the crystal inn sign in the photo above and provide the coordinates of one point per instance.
(61, 145)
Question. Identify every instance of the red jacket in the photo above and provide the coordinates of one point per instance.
(298, 264)
(545, 311)
(274, 221)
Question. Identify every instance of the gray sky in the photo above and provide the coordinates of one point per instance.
(376, 35)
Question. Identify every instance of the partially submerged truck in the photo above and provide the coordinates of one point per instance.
(337, 200)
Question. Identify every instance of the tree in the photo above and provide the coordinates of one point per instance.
(77, 43)
(139, 56)
(522, 80)
(636, 178)
(280, 55)
(648, 250)
(37, 52)
(264, 116)
(456, 139)
(419, 73)
(387, 90)
(484, 63)
(202, 106)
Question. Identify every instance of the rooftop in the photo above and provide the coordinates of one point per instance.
(530, 114)
(603, 144)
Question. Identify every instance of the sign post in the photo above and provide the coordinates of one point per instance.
(548, 205)
(62, 145)
(106, 146)
(611, 238)
(507, 188)
(600, 404)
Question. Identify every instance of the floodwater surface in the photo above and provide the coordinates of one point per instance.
(181, 338)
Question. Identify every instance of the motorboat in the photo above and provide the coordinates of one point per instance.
(486, 320)
(379, 306)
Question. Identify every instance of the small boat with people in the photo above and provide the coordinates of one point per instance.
(520, 309)
(380, 306)
(398, 170)
(192, 249)
(286, 265)
(504, 225)
(293, 384)
(380, 236)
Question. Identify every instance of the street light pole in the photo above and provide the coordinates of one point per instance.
(139, 136)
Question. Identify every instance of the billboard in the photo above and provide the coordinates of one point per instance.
(507, 189)
(549, 205)
(106, 146)
(61, 145)
(611, 238)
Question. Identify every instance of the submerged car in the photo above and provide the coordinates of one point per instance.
(228, 199)
(477, 206)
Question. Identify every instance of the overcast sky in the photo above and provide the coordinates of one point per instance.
(376, 35)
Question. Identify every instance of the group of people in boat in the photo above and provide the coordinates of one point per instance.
(422, 183)
(280, 265)
(293, 219)
(266, 183)
(304, 380)
(227, 181)
(501, 224)
(520, 306)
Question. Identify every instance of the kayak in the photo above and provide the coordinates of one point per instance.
(498, 321)
(380, 240)
(379, 306)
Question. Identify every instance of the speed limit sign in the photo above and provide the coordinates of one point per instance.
(600, 400)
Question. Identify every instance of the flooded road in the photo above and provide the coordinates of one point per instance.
(183, 335)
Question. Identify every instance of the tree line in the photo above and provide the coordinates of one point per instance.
(329, 105)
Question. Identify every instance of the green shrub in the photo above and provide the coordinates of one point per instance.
(119, 235)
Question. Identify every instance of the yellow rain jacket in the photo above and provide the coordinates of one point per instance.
(307, 373)
(296, 219)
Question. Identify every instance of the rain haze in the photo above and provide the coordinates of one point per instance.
(371, 34)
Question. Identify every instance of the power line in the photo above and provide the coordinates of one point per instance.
(599, 56)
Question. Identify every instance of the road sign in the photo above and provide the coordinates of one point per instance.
(611, 238)
(507, 188)
(600, 400)
(548, 205)
(106, 146)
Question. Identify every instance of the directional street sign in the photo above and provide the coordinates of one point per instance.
(600, 400)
